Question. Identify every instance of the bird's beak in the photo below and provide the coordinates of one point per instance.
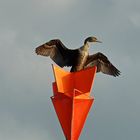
(98, 41)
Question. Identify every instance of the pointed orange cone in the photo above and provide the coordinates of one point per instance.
(68, 81)
(72, 99)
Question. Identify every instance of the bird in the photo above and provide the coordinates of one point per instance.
(77, 59)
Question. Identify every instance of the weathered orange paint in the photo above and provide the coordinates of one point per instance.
(71, 99)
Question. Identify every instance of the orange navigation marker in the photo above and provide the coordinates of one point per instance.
(72, 99)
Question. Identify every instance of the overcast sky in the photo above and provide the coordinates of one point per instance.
(26, 111)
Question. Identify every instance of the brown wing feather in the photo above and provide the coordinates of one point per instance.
(56, 50)
(102, 63)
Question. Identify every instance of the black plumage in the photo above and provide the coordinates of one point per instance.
(79, 58)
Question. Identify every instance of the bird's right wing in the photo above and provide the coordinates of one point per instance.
(102, 63)
(56, 50)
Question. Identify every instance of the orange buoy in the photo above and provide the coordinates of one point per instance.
(71, 99)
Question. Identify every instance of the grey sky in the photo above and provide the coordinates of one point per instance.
(26, 112)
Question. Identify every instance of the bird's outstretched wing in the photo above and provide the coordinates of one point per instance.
(102, 63)
(56, 50)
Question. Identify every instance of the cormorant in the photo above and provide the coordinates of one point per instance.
(79, 58)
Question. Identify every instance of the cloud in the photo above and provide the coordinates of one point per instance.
(135, 19)
(13, 129)
(25, 83)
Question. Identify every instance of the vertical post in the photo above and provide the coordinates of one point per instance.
(71, 99)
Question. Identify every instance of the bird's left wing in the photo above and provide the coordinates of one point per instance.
(102, 63)
(56, 50)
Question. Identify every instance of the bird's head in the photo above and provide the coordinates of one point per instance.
(92, 39)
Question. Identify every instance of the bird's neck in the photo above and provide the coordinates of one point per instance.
(85, 47)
